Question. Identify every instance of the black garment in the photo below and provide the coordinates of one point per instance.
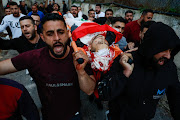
(105, 84)
(101, 20)
(148, 83)
(64, 8)
(84, 17)
(42, 9)
(20, 44)
(16, 101)
(49, 8)
(24, 9)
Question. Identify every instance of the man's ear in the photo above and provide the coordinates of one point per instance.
(42, 37)
(35, 27)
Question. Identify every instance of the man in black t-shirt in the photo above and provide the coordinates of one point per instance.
(28, 41)
(55, 70)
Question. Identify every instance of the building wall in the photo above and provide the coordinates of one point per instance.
(164, 5)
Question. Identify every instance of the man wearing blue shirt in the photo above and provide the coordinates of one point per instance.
(35, 10)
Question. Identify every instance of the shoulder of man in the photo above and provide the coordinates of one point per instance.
(8, 17)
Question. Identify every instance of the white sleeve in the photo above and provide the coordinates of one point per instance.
(3, 25)
(80, 15)
(70, 15)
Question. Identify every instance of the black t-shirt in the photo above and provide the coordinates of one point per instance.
(20, 44)
(56, 80)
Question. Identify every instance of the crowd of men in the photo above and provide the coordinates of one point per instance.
(41, 37)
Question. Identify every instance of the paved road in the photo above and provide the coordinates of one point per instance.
(89, 109)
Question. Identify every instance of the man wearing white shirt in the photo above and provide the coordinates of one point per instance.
(98, 12)
(12, 21)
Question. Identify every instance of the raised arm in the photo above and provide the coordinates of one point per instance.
(9, 44)
(46, 4)
(86, 82)
(6, 67)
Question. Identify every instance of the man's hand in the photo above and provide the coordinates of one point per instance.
(91, 18)
(131, 50)
(130, 45)
(86, 82)
(124, 62)
(77, 55)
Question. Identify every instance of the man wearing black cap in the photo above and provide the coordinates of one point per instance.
(154, 75)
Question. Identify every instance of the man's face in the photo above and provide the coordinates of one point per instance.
(109, 14)
(14, 10)
(41, 5)
(7, 11)
(91, 14)
(97, 43)
(55, 7)
(34, 9)
(36, 19)
(141, 34)
(28, 29)
(79, 9)
(148, 17)
(129, 17)
(97, 9)
(23, 3)
(120, 26)
(55, 35)
(74, 11)
(162, 57)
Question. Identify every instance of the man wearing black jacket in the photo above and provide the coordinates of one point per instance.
(154, 74)
(29, 40)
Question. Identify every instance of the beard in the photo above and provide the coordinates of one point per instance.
(142, 22)
(129, 20)
(160, 62)
(33, 35)
(58, 44)
(97, 12)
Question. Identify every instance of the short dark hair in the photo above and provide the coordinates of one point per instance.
(74, 6)
(34, 5)
(146, 11)
(129, 11)
(147, 24)
(98, 5)
(35, 14)
(27, 18)
(116, 19)
(52, 17)
(90, 10)
(108, 10)
(13, 3)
